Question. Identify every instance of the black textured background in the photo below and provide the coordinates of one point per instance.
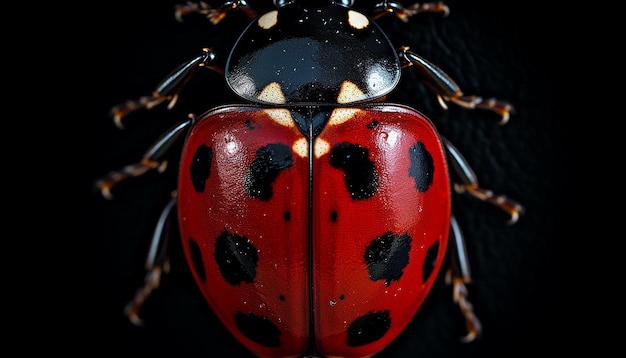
(500, 49)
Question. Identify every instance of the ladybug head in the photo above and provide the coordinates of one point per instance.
(332, 55)
(313, 3)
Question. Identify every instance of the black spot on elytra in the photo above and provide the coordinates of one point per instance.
(387, 255)
(281, 297)
(269, 162)
(422, 167)
(236, 258)
(287, 216)
(368, 328)
(430, 260)
(258, 329)
(200, 167)
(359, 171)
(248, 124)
(373, 124)
(196, 258)
(333, 216)
(342, 297)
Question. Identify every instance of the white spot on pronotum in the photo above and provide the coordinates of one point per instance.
(349, 92)
(341, 115)
(280, 116)
(321, 147)
(357, 20)
(268, 20)
(272, 93)
(376, 78)
(301, 147)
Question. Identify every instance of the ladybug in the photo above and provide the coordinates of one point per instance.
(314, 215)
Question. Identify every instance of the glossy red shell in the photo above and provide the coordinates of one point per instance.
(299, 254)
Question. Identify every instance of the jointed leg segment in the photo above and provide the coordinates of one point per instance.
(447, 90)
(157, 263)
(170, 87)
(404, 13)
(465, 180)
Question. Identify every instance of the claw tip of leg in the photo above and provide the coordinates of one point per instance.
(469, 337)
(107, 194)
(104, 189)
(117, 119)
(505, 119)
(136, 320)
(178, 15)
(514, 218)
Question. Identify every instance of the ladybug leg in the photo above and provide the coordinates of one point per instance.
(447, 90)
(459, 275)
(152, 159)
(156, 263)
(403, 13)
(466, 181)
(214, 15)
(170, 87)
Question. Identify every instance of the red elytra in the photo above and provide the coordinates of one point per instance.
(337, 241)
